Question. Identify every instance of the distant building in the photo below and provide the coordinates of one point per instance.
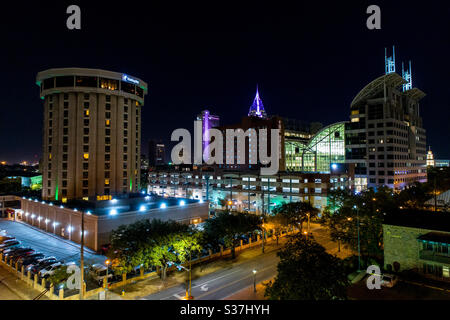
(441, 163)
(419, 242)
(209, 121)
(257, 108)
(156, 153)
(249, 190)
(430, 158)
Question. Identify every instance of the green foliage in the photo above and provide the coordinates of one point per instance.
(152, 243)
(229, 226)
(368, 208)
(10, 185)
(307, 272)
(60, 275)
(293, 214)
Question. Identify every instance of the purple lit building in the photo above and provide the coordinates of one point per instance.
(208, 121)
(257, 108)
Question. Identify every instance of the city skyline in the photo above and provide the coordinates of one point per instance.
(310, 78)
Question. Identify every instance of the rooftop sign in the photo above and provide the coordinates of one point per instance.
(129, 79)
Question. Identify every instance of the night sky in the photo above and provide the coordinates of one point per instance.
(309, 60)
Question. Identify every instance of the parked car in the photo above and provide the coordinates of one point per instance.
(14, 251)
(8, 244)
(5, 238)
(22, 254)
(41, 265)
(49, 270)
(25, 261)
(389, 280)
(98, 273)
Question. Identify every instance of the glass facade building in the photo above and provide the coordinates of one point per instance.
(325, 148)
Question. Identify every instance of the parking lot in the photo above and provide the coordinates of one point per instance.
(49, 244)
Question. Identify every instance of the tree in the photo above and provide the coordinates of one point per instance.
(307, 272)
(230, 226)
(367, 209)
(152, 243)
(293, 214)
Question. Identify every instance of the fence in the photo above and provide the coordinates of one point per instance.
(61, 294)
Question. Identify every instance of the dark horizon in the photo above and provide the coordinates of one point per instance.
(309, 61)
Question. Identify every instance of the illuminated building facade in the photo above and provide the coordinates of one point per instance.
(385, 138)
(209, 121)
(156, 153)
(92, 133)
(257, 108)
(248, 190)
(317, 153)
(430, 158)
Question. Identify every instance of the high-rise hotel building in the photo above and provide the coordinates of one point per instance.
(92, 133)
(385, 138)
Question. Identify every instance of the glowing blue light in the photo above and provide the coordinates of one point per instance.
(142, 208)
(334, 166)
(113, 212)
(50, 204)
(88, 213)
(61, 206)
(163, 206)
(201, 201)
(143, 192)
(182, 203)
(114, 201)
(147, 198)
(75, 209)
(129, 79)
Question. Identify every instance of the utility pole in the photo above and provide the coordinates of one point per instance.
(82, 257)
(435, 198)
(359, 247)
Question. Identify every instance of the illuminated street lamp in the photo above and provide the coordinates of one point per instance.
(107, 262)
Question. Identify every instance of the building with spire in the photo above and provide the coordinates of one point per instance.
(430, 158)
(257, 108)
(385, 138)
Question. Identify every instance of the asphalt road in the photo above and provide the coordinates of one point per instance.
(223, 283)
(48, 244)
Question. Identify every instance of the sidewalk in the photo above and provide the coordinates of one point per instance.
(18, 286)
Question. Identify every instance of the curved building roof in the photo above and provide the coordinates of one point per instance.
(377, 85)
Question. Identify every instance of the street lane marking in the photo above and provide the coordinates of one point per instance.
(231, 283)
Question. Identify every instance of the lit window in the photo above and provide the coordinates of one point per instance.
(106, 182)
(86, 156)
(64, 200)
(86, 112)
(107, 122)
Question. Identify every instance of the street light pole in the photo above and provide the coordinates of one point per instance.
(359, 247)
(82, 258)
(254, 280)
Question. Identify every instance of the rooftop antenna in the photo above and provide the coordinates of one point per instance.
(407, 75)
(389, 62)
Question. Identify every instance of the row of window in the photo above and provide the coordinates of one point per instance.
(92, 82)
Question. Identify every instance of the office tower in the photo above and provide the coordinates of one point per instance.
(156, 153)
(385, 137)
(92, 133)
(257, 108)
(208, 121)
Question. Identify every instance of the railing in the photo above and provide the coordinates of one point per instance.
(433, 256)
